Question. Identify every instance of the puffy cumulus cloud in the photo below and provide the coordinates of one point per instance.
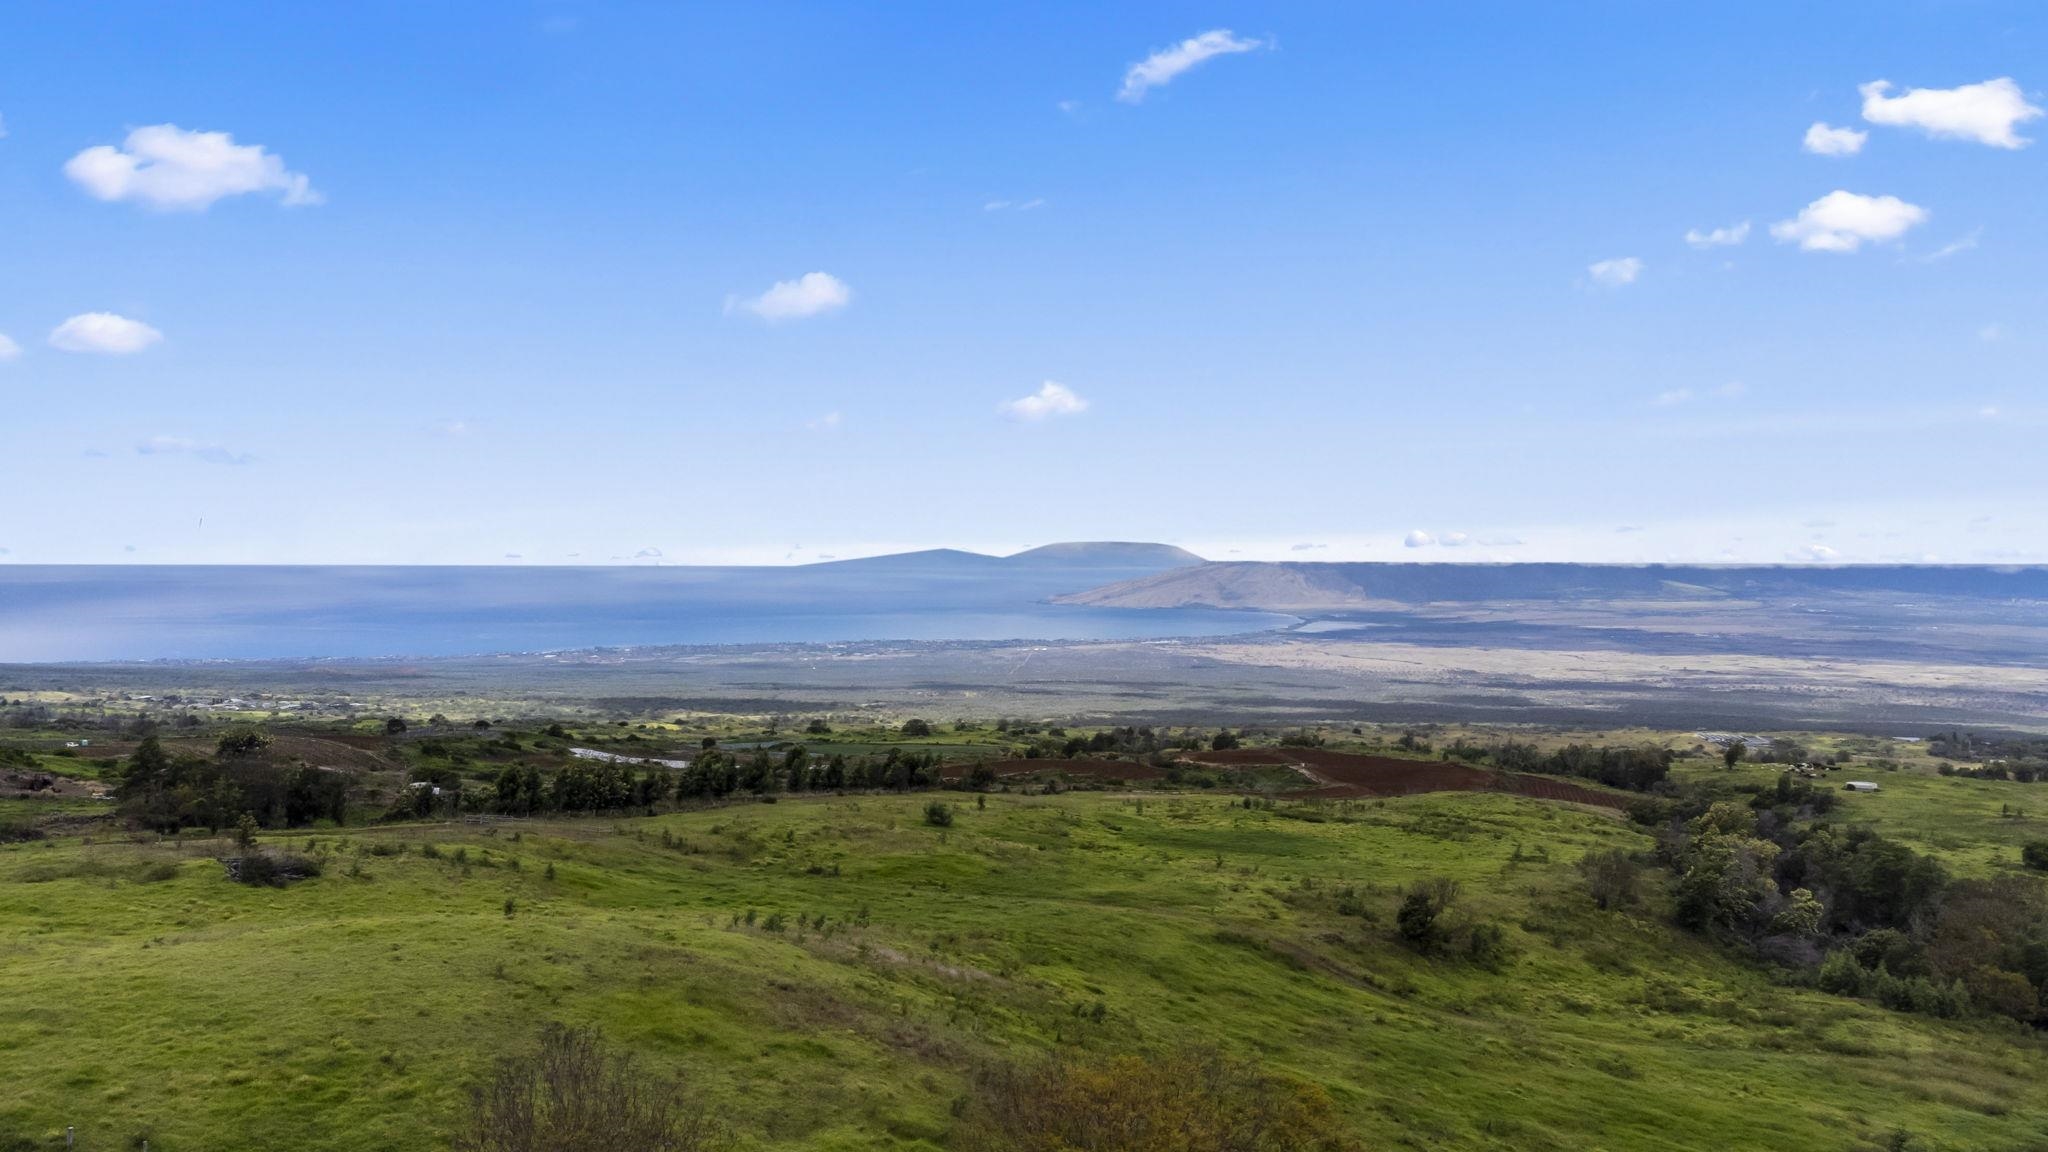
(811, 294)
(1417, 539)
(1845, 221)
(1727, 237)
(166, 167)
(1825, 140)
(9, 350)
(1161, 67)
(1051, 399)
(198, 450)
(1616, 272)
(1988, 113)
(103, 333)
(1454, 539)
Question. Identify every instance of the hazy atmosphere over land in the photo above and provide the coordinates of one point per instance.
(594, 283)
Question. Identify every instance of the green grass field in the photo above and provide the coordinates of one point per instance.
(350, 1011)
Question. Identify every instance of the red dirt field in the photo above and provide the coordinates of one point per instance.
(1348, 774)
(1097, 769)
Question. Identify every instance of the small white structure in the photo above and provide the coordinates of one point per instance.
(1859, 786)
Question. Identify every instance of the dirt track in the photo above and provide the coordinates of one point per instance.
(1347, 774)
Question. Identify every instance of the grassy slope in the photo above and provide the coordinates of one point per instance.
(348, 1012)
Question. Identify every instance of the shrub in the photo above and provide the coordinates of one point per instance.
(575, 1095)
(938, 814)
(1194, 1100)
(1487, 946)
(271, 869)
(1612, 878)
(2035, 855)
(917, 728)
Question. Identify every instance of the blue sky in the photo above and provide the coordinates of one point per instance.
(486, 283)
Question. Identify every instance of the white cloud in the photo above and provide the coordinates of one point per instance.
(180, 446)
(1615, 273)
(1843, 221)
(165, 167)
(827, 422)
(1727, 237)
(454, 428)
(1816, 552)
(1672, 398)
(811, 294)
(1161, 67)
(1070, 107)
(1732, 390)
(9, 350)
(1988, 412)
(1986, 113)
(1825, 140)
(1989, 333)
(1051, 399)
(1306, 547)
(1961, 244)
(104, 333)
(1417, 539)
(1454, 539)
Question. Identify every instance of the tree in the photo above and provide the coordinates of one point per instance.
(239, 742)
(1801, 915)
(148, 770)
(1734, 752)
(917, 729)
(576, 1095)
(394, 726)
(1223, 741)
(1421, 910)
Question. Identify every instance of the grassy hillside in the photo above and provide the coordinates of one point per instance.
(147, 995)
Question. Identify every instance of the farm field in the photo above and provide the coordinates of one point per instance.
(830, 970)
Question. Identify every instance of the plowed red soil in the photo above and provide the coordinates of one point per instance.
(1348, 774)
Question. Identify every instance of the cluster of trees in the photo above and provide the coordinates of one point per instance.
(1959, 745)
(614, 786)
(167, 792)
(1637, 769)
(1865, 915)
(2021, 771)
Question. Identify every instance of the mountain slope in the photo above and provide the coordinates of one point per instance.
(1233, 584)
(1289, 586)
(1107, 553)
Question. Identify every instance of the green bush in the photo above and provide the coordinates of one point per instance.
(938, 814)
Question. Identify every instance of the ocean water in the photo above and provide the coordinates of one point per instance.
(58, 613)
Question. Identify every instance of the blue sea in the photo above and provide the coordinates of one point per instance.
(63, 613)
